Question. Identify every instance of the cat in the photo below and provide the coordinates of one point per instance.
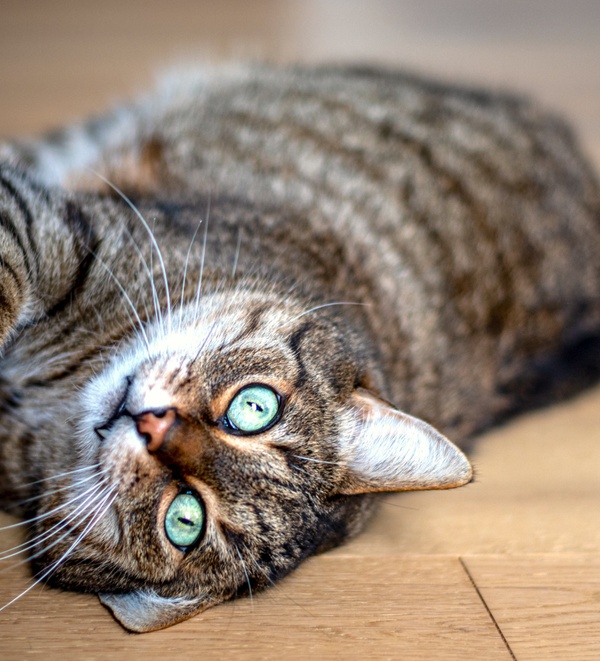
(228, 309)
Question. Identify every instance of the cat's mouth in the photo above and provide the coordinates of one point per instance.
(102, 431)
(151, 424)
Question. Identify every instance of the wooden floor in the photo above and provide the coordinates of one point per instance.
(506, 568)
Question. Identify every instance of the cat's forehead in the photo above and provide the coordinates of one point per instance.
(225, 323)
(221, 340)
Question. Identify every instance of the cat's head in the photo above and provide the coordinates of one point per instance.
(233, 442)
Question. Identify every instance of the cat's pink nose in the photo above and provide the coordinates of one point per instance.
(154, 426)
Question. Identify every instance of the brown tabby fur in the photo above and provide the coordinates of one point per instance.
(347, 236)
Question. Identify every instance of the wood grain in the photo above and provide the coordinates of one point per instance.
(547, 606)
(412, 607)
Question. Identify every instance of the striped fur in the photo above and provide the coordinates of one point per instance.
(347, 237)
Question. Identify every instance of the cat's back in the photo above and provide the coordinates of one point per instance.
(470, 214)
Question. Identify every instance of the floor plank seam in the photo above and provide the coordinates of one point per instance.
(487, 608)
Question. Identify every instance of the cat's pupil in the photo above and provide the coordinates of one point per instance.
(184, 521)
(253, 409)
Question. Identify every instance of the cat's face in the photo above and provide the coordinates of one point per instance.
(229, 445)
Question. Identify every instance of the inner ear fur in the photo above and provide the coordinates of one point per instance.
(385, 449)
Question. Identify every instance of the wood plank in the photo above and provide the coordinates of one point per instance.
(547, 606)
(417, 607)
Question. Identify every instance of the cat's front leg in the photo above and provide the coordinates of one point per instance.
(18, 259)
(39, 248)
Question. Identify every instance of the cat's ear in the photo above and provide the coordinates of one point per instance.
(387, 450)
(145, 610)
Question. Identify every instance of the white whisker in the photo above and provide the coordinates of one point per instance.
(71, 485)
(150, 234)
(312, 476)
(237, 253)
(320, 307)
(91, 503)
(126, 296)
(199, 288)
(271, 581)
(157, 310)
(41, 517)
(59, 475)
(55, 564)
(318, 461)
(206, 339)
(185, 268)
(57, 527)
(235, 546)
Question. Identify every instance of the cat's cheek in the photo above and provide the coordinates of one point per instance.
(102, 394)
(107, 531)
(144, 486)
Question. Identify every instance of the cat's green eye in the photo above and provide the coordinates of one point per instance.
(184, 522)
(254, 409)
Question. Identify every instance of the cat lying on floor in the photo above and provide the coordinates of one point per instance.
(228, 308)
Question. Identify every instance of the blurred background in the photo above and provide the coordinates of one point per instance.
(61, 59)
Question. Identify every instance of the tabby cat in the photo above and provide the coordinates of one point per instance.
(209, 298)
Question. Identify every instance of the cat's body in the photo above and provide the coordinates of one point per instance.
(331, 234)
